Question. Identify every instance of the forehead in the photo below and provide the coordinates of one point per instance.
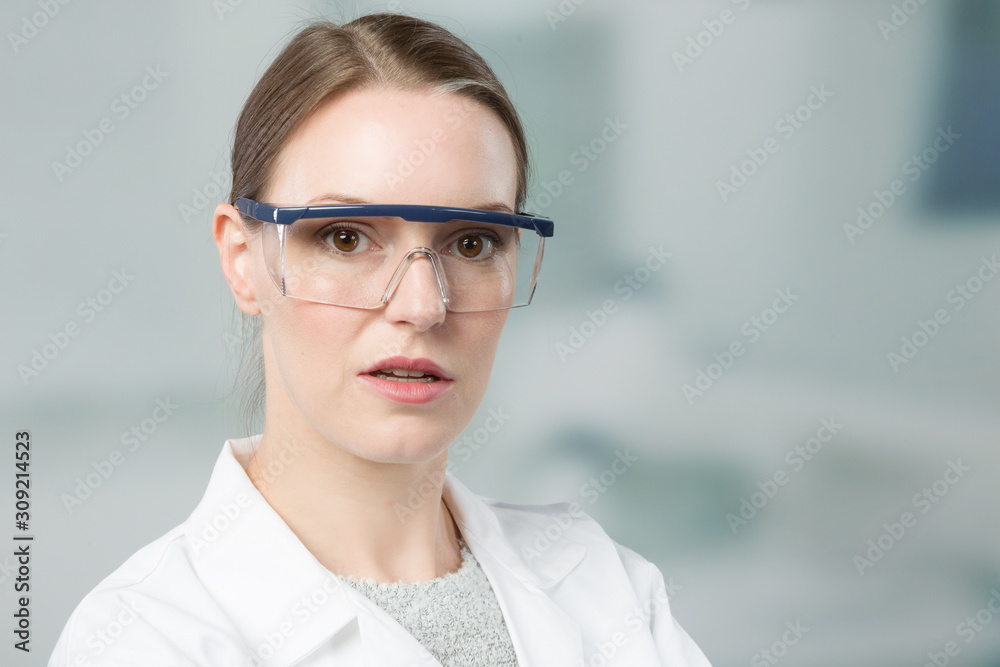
(395, 146)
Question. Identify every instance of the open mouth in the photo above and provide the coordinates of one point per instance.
(407, 381)
(403, 375)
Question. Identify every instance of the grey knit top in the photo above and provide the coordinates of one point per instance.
(455, 617)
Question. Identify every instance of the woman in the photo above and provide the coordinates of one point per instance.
(335, 536)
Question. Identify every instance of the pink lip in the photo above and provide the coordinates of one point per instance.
(408, 392)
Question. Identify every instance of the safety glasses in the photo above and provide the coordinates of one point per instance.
(355, 255)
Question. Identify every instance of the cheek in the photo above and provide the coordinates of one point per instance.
(307, 341)
(477, 336)
(310, 344)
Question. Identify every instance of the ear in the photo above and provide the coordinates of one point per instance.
(235, 253)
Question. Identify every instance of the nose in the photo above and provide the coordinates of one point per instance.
(415, 292)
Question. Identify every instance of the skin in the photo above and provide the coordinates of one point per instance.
(336, 458)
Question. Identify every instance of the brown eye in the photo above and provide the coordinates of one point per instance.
(474, 245)
(470, 246)
(344, 240)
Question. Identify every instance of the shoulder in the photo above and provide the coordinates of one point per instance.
(563, 543)
(140, 609)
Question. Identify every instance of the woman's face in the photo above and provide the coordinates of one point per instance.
(387, 147)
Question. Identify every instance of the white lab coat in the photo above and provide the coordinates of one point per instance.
(232, 586)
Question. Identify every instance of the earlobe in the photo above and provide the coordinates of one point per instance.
(235, 254)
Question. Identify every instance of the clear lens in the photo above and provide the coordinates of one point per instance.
(358, 262)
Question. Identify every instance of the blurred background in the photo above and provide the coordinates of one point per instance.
(777, 226)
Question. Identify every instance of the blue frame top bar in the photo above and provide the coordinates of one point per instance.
(416, 213)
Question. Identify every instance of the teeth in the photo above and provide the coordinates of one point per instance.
(404, 375)
(402, 372)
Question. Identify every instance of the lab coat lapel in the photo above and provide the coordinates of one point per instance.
(542, 633)
(388, 644)
(290, 610)
(283, 601)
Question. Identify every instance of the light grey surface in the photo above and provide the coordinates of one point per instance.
(621, 393)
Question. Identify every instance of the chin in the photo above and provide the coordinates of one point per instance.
(399, 450)
(392, 440)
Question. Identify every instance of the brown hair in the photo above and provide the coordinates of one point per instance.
(321, 60)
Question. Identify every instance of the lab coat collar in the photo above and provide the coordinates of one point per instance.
(286, 604)
(541, 631)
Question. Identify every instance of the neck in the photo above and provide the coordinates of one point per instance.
(363, 518)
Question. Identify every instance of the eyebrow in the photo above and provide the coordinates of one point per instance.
(347, 199)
